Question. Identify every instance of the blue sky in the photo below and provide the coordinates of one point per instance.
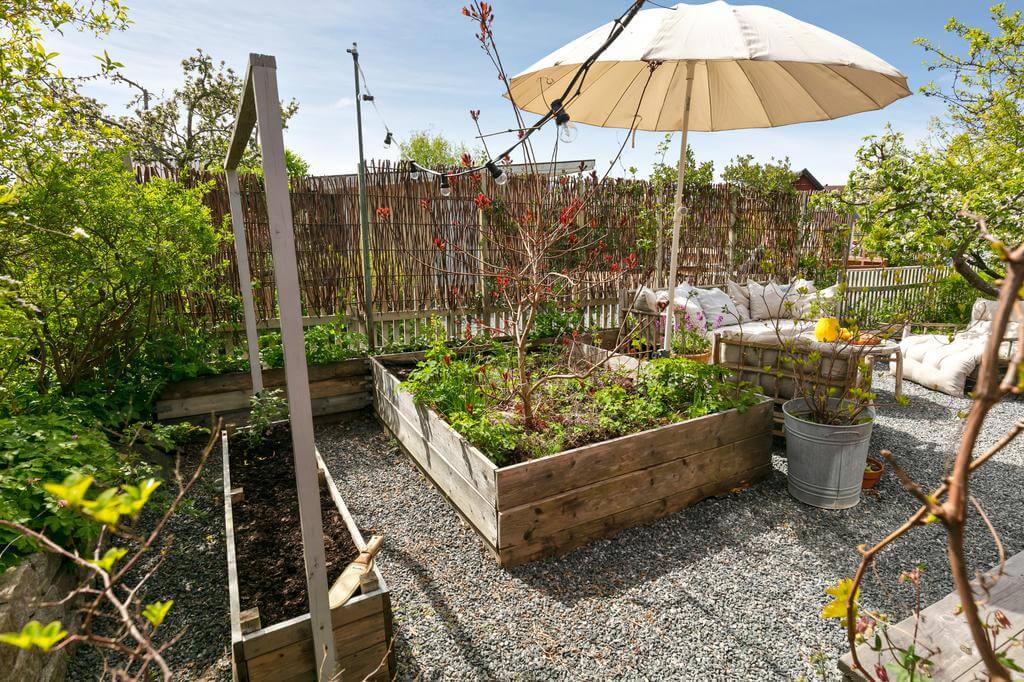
(427, 71)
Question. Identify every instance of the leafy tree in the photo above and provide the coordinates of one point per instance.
(433, 151)
(913, 203)
(775, 175)
(38, 101)
(191, 127)
(96, 255)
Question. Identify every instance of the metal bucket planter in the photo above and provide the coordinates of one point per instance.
(826, 463)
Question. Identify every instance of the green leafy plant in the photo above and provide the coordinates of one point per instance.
(265, 408)
(325, 343)
(35, 449)
(116, 589)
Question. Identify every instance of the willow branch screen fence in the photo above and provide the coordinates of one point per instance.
(728, 233)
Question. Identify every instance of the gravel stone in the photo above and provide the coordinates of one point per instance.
(729, 589)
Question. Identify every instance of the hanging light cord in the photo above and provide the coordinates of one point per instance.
(373, 100)
(557, 106)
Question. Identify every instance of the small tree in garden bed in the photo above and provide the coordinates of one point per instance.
(117, 617)
(540, 252)
(950, 503)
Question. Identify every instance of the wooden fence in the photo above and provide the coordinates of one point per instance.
(727, 233)
(876, 295)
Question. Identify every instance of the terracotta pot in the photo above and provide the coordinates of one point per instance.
(704, 357)
(872, 472)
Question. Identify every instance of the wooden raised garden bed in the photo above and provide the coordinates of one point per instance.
(552, 505)
(271, 636)
(334, 388)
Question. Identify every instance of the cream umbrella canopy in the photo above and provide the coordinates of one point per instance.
(710, 67)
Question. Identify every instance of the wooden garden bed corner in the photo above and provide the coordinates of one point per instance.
(284, 651)
(552, 505)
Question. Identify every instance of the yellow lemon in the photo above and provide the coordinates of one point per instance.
(827, 329)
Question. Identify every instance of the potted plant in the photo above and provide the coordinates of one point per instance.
(872, 472)
(691, 341)
(829, 420)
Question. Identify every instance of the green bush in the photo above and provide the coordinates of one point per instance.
(35, 450)
(952, 302)
(96, 257)
(325, 343)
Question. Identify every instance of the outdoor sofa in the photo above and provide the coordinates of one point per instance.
(949, 361)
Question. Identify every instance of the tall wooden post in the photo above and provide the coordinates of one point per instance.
(260, 103)
(245, 280)
(364, 218)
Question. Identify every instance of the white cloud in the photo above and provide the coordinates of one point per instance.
(344, 103)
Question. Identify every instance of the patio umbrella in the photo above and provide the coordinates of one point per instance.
(710, 67)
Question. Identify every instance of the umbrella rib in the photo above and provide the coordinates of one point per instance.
(760, 101)
(782, 65)
(619, 100)
(668, 89)
(855, 86)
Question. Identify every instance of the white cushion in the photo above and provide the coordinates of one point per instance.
(740, 297)
(766, 301)
(984, 309)
(646, 300)
(767, 331)
(936, 362)
(716, 304)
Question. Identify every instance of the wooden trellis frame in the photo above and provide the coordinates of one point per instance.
(260, 104)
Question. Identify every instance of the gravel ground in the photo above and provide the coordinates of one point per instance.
(728, 589)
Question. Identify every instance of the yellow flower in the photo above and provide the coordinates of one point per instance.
(845, 334)
(827, 329)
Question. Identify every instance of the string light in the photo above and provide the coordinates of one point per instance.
(388, 139)
(567, 130)
(499, 175)
(414, 171)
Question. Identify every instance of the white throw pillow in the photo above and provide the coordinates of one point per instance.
(740, 297)
(716, 304)
(767, 301)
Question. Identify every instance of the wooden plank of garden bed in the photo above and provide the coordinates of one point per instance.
(542, 478)
(272, 378)
(234, 601)
(435, 437)
(725, 465)
(570, 538)
(239, 399)
(293, 630)
(356, 643)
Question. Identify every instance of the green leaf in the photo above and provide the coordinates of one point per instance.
(35, 634)
(1009, 663)
(111, 557)
(157, 611)
(72, 490)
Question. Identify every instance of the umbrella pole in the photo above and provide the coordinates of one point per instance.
(677, 215)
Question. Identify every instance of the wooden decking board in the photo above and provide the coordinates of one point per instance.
(945, 632)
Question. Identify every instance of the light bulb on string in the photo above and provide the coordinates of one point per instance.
(500, 176)
(387, 140)
(568, 132)
(414, 171)
(446, 188)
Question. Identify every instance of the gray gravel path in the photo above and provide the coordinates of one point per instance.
(728, 589)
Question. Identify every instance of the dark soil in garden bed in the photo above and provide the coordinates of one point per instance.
(268, 535)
